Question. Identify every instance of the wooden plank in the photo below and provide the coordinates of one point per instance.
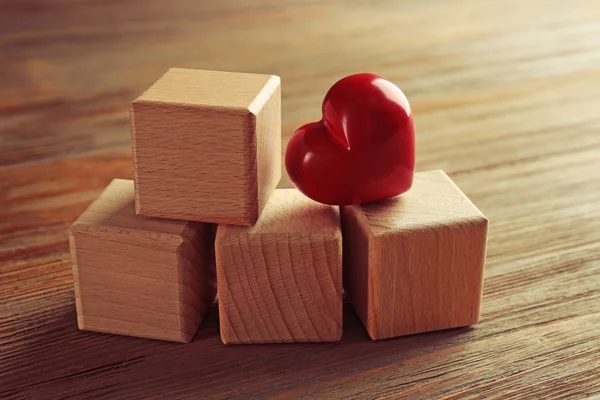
(505, 98)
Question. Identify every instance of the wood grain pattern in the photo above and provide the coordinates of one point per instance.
(140, 276)
(207, 146)
(280, 281)
(505, 98)
(414, 263)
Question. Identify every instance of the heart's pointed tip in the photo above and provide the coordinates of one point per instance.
(347, 198)
(360, 200)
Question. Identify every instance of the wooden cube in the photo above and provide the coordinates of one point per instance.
(281, 280)
(207, 146)
(140, 276)
(414, 263)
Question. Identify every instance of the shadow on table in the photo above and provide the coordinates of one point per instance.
(51, 357)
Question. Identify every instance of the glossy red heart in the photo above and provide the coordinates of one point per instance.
(362, 150)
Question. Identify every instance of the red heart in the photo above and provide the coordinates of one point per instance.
(362, 150)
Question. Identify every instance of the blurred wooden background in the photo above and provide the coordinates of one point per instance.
(506, 97)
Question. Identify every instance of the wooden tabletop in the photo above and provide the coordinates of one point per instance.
(506, 98)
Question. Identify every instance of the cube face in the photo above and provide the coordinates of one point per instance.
(436, 283)
(155, 282)
(415, 263)
(175, 180)
(281, 280)
(207, 146)
(268, 148)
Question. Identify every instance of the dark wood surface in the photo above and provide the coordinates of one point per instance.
(506, 100)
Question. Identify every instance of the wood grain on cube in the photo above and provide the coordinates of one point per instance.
(207, 146)
(414, 263)
(140, 276)
(281, 280)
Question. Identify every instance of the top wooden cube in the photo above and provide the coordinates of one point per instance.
(207, 146)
